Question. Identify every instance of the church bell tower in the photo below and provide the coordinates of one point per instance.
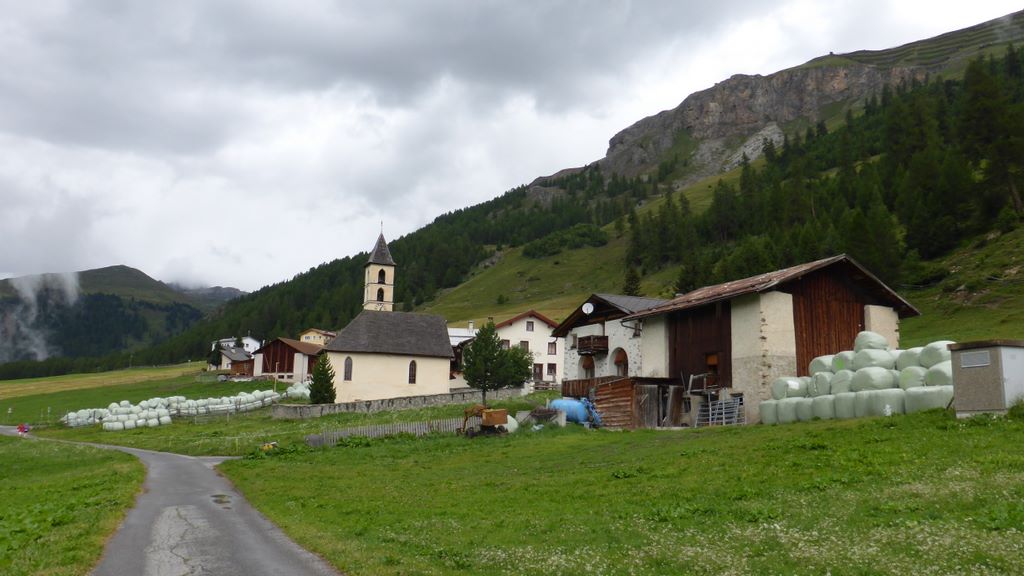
(379, 292)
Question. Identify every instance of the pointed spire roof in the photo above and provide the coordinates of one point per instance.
(381, 254)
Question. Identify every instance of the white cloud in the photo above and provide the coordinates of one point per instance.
(239, 144)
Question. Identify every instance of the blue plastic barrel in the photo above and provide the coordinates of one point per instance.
(575, 410)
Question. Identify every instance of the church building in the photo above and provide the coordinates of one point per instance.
(388, 354)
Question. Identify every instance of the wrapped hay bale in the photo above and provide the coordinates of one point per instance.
(844, 405)
(821, 364)
(786, 409)
(912, 377)
(821, 384)
(824, 407)
(769, 412)
(842, 361)
(805, 409)
(152, 423)
(868, 340)
(909, 357)
(114, 426)
(928, 398)
(872, 378)
(841, 382)
(125, 404)
(869, 358)
(113, 407)
(895, 377)
(165, 420)
(934, 353)
(887, 402)
(788, 387)
(129, 424)
(940, 374)
(862, 403)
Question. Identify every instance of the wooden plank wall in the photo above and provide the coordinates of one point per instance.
(828, 312)
(581, 388)
(695, 333)
(615, 403)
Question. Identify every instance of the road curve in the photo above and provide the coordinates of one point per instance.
(190, 521)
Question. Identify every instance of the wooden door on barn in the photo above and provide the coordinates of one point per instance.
(828, 312)
(700, 341)
(659, 406)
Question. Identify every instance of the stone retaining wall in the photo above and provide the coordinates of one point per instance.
(306, 411)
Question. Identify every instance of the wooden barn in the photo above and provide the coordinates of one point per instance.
(711, 354)
(286, 359)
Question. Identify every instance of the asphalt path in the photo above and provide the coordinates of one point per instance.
(189, 520)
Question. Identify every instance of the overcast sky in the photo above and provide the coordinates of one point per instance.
(240, 143)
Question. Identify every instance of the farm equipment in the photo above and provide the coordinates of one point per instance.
(492, 422)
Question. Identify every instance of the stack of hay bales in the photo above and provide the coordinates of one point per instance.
(159, 411)
(298, 391)
(870, 380)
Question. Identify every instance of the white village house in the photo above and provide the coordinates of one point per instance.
(733, 339)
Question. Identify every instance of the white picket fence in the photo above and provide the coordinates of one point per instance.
(446, 426)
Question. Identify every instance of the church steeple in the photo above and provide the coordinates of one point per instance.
(379, 292)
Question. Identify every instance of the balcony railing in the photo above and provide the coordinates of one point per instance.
(591, 345)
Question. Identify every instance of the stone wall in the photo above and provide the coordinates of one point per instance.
(306, 411)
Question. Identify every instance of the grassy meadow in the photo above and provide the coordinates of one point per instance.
(59, 503)
(921, 494)
(241, 434)
(44, 400)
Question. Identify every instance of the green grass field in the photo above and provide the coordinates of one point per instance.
(243, 433)
(44, 400)
(922, 494)
(59, 504)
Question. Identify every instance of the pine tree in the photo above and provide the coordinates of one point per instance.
(321, 390)
(631, 284)
(486, 366)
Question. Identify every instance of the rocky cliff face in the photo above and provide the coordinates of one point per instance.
(735, 115)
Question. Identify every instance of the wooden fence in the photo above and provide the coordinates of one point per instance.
(447, 426)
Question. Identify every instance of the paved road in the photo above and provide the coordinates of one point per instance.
(190, 521)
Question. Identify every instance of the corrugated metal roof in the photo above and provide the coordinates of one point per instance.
(631, 304)
(401, 333)
(768, 281)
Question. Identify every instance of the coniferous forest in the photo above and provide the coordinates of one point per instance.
(916, 171)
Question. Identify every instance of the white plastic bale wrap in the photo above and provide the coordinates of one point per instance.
(844, 405)
(821, 384)
(788, 387)
(841, 382)
(842, 361)
(769, 411)
(912, 377)
(129, 424)
(868, 340)
(909, 357)
(787, 410)
(940, 374)
(824, 407)
(869, 358)
(928, 398)
(805, 409)
(872, 378)
(934, 353)
(821, 364)
(862, 403)
(165, 420)
(126, 404)
(887, 402)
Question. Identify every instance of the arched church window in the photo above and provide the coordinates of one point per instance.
(412, 372)
(382, 277)
(380, 294)
(348, 368)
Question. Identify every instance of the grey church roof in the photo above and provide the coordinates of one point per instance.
(381, 254)
(400, 333)
(236, 354)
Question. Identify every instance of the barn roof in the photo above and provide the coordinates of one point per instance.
(606, 307)
(400, 333)
(381, 254)
(307, 348)
(774, 280)
(527, 314)
(236, 354)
